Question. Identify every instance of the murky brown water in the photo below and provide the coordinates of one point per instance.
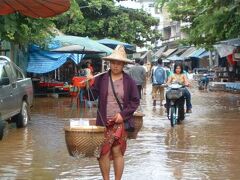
(205, 146)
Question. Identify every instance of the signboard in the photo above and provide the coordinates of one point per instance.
(236, 56)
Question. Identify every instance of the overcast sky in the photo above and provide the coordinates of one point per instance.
(129, 4)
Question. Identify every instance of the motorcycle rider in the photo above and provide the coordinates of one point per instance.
(179, 77)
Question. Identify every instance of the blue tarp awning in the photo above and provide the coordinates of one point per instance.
(197, 53)
(63, 40)
(113, 43)
(41, 61)
(205, 54)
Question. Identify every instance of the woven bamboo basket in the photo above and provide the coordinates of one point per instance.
(138, 122)
(84, 141)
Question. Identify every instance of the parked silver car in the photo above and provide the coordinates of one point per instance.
(16, 94)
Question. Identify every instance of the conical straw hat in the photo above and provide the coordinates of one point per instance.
(118, 54)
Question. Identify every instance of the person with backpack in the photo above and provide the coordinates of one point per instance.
(159, 77)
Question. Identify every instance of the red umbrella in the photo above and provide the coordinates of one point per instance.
(34, 8)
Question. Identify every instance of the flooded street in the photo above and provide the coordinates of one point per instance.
(205, 146)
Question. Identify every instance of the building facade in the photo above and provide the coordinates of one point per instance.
(170, 30)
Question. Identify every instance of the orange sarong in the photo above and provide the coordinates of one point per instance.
(114, 135)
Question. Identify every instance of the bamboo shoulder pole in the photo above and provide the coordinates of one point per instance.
(90, 78)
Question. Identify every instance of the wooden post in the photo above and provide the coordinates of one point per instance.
(210, 59)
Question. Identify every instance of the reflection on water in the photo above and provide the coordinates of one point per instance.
(205, 146)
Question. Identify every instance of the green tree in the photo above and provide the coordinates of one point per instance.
(20, 31)
(23, 30)
(72, 21)
(94, 18)
(211, 20)
(101, 18)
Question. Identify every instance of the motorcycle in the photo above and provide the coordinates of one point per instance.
(175, 104)
(203, 82)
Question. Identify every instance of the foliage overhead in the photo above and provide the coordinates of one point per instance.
(93, 18)
(72, 21)
(22, 30)
(211, 20)
(102, 19)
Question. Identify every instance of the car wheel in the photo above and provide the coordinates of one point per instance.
(1, 129)
(23, 117)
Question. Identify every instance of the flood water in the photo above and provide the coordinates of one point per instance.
(205, 146)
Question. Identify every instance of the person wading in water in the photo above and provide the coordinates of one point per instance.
(118, 99)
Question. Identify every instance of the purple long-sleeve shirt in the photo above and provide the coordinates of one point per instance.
(130, 101)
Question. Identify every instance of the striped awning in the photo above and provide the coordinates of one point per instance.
(160, 51)
(197, 53)
(145, 55)
(168, 52)
(188, 52)
(205, 54)
(175, 58)
(179, 51)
